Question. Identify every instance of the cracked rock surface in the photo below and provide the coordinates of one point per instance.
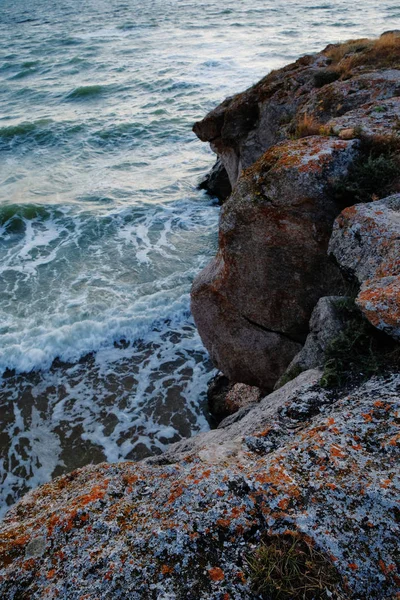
(327, 467)
(366, 244)
(253, 302)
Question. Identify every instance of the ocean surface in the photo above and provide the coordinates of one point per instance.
(102, 227)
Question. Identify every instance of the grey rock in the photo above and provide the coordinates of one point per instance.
(35, 547)
(217, 183)
(365, 239)
(325, 324)
(366, 244)
(227, 438)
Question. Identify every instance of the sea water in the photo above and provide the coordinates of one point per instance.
(102, 227)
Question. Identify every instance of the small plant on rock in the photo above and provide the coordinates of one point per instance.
(288, 567)
(375, 174)
(358, 352)
(308, 125)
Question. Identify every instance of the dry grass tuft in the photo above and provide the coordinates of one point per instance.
(338, 52)
(309, 125)
(288, 567)
(383, 52)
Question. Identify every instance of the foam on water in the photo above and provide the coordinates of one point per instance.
(102, 228)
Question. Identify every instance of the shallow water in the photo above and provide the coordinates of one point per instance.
(102, 228)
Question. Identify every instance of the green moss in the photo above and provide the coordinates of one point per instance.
(287, 567)
(358, 352)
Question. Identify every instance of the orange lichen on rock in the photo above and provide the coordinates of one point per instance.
(216, 574)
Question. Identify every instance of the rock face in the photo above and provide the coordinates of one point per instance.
(325, 325)
(183, 530)
(366, 244)
(217, 182)
(316, 88)
(379, 118)
(252, 303)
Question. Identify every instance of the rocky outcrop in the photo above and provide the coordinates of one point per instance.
(252, 303)
(313, 90)
(184, 529)
(366, 244)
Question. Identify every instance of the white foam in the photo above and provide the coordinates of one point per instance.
(80, 296)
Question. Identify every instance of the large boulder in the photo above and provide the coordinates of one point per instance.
(185, 528)
(366, 244)
(252, 303)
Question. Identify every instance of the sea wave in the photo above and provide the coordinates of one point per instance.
(37, 347)
(87, 92)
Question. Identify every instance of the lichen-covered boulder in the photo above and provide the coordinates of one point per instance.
(183, 530)
(366, 244)
(252, 303)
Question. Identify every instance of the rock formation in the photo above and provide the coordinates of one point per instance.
(366, 244)
(253, 302)
(307, 464)
(184, 529)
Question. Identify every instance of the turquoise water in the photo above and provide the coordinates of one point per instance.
(102, 228)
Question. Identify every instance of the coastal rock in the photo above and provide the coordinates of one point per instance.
(325, 325)
(316, 468)
(252, 303)
(366, 244)
(217, 183)
(375, 119)
(300, 99)
(379, 300)
(226, 398)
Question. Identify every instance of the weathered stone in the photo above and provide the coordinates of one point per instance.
(217, 182)
(252, 303)
(226, 398)
(347, 134)
(325, 325)
(366, 239)
(184, 530)
(378, 119)
(244, 126)
(379, 300)
(366, 244)
(242, 396)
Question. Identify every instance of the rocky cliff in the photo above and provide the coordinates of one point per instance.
(296, 495)
(293, 146)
